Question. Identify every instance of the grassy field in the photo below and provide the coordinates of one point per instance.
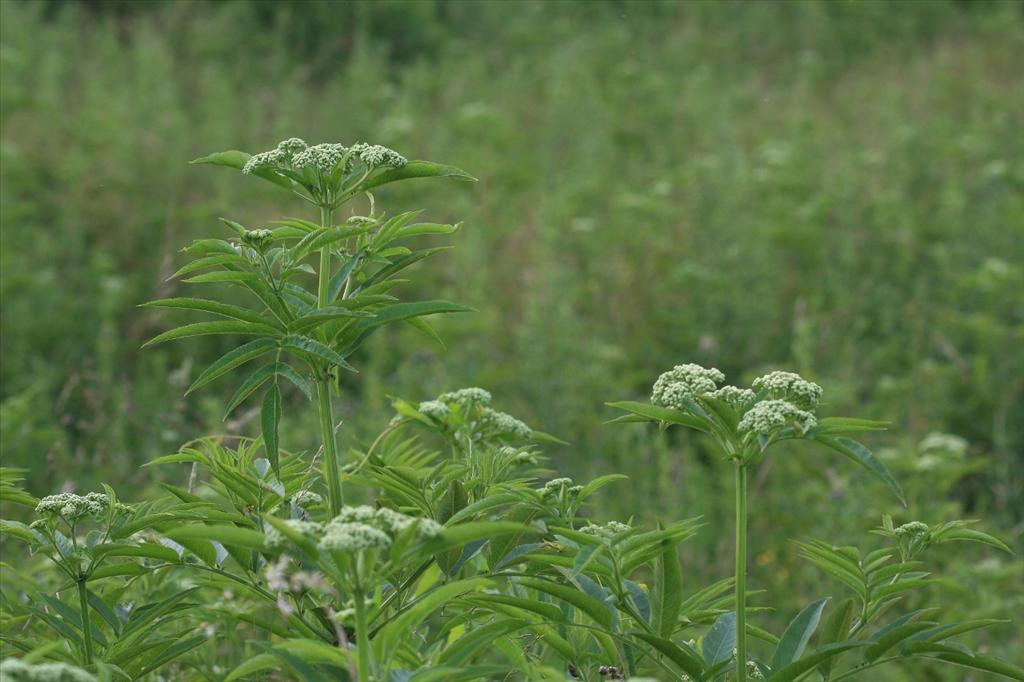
(836, 188)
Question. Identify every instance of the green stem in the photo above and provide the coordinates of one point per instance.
(323, 389)
(362, 639)
(741, 572)
(86, 624)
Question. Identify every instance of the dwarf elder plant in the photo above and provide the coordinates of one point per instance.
(442, 549)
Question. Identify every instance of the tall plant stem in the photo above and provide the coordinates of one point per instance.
(83, 600)
(741, 572)
(323, 389)
(362, 639)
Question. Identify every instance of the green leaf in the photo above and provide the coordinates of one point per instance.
(894, 636)
(299, 381)
(464, 533)
(249, 386)
(404, 311)
(236, 159)
(462, 650)
(308, 346)
(597, 610)
(794, 640)
(319, 316)
(798, 668)
(684, 656)
(975, 661)
(251, 666)
(834, 426)
(668, 586)
(226, 535)
(861, 455)
(416, 169)
(417, 229)
(971, 535)
(399, 627)
(601, 481)
(232, 359)
(836, 628)
(215, 307)
(720, 640)
(209, 262)
(149, 550)
(270, 418)
(207, 328)
(312, 651)
(662, 414)
(232, 276)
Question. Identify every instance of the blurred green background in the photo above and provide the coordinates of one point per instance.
(835, 188)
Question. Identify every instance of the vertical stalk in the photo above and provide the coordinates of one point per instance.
(362, 638)
(741, 572)
(323, 388)
(86, 624)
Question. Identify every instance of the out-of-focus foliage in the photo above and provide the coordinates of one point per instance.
(833, 187)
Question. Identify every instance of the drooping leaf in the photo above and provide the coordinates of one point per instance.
(862, 456)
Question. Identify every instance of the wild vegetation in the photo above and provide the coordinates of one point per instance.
(657, 184)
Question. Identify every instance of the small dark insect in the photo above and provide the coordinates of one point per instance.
(610, 671)
(571, 669)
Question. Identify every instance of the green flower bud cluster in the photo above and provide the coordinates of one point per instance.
(258, 239)
(607, 531)
(375, 155)
(790, 387)
(560, 486)
(505, 424)
(740, 398)
(684, 382)
(323, 157)
(295, 154)
(914, 529)
(435, 409)
(778, 399)
(466, 397)
(474, 405)
(769, 416)
(16, 670)
(276, 540)
(361, 221)
(353, 537)
(73, 507)
(365, 528)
